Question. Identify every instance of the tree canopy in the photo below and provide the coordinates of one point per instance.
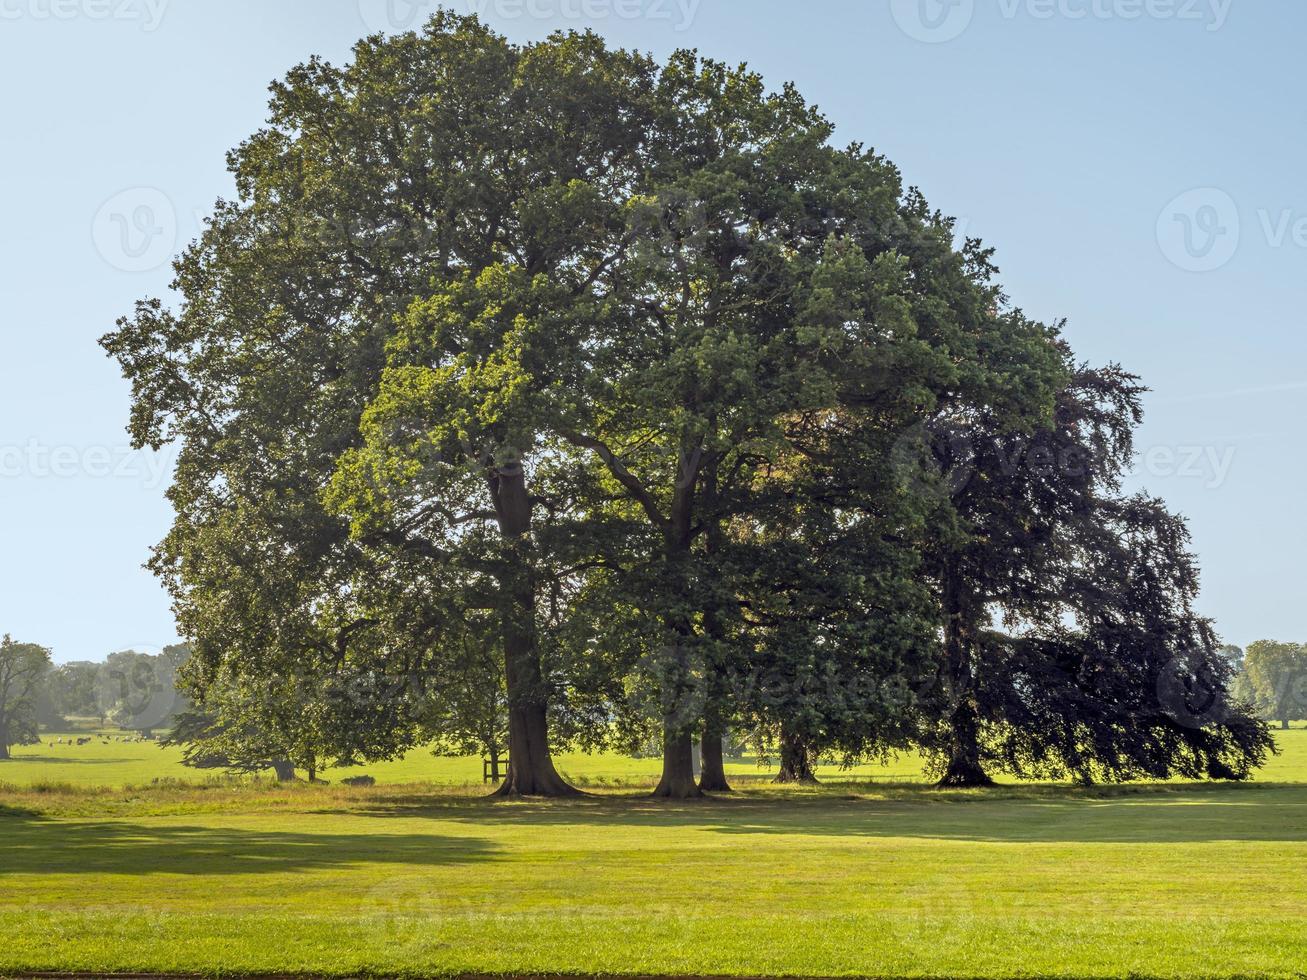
(545, 393)
(1274, 679)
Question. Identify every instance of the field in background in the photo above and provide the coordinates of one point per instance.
(117, 764)
(140, 763)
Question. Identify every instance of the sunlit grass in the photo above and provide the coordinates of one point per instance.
(140, 763)
(892, 880)
(874, 874)
(116, 763)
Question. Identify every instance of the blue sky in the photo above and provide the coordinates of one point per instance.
(1139, 165)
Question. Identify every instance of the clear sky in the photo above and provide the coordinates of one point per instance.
(1140, 165)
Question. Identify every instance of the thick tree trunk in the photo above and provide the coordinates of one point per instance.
(285, 770)
(680, 717)
(677, 782)
(962, 740)
(796, 760)
(531, 769)
(964, 769)
(1284, 724)
(4, 751)
(713, 777)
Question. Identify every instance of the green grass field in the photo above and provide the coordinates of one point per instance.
(118, 764)
(874, 875)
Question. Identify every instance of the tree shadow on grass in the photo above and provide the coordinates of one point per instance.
(1145, 814)
(39, 846)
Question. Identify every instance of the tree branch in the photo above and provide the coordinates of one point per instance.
(625, 477)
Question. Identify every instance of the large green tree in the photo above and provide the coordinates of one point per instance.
(603, 366)
(23, 668)
(724, 270)
(1275, 680)
(428, 165)
(789, 279)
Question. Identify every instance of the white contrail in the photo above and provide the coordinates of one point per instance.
(1234, 393)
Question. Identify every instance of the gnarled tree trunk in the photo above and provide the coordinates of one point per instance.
(284, 769)
(964, 769)
(677, 782)
(531, 769)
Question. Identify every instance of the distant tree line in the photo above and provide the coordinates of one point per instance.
(1271, 677)
(130, 690)
(545, 395)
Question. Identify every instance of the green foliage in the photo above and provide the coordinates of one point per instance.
(544, 388)
(23, 669)
(74, 689)
(1274, 679)
(137, 690)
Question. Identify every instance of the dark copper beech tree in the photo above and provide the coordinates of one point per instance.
(1072, 647)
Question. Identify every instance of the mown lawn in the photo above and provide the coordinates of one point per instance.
(859, 878)
(116, 763)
